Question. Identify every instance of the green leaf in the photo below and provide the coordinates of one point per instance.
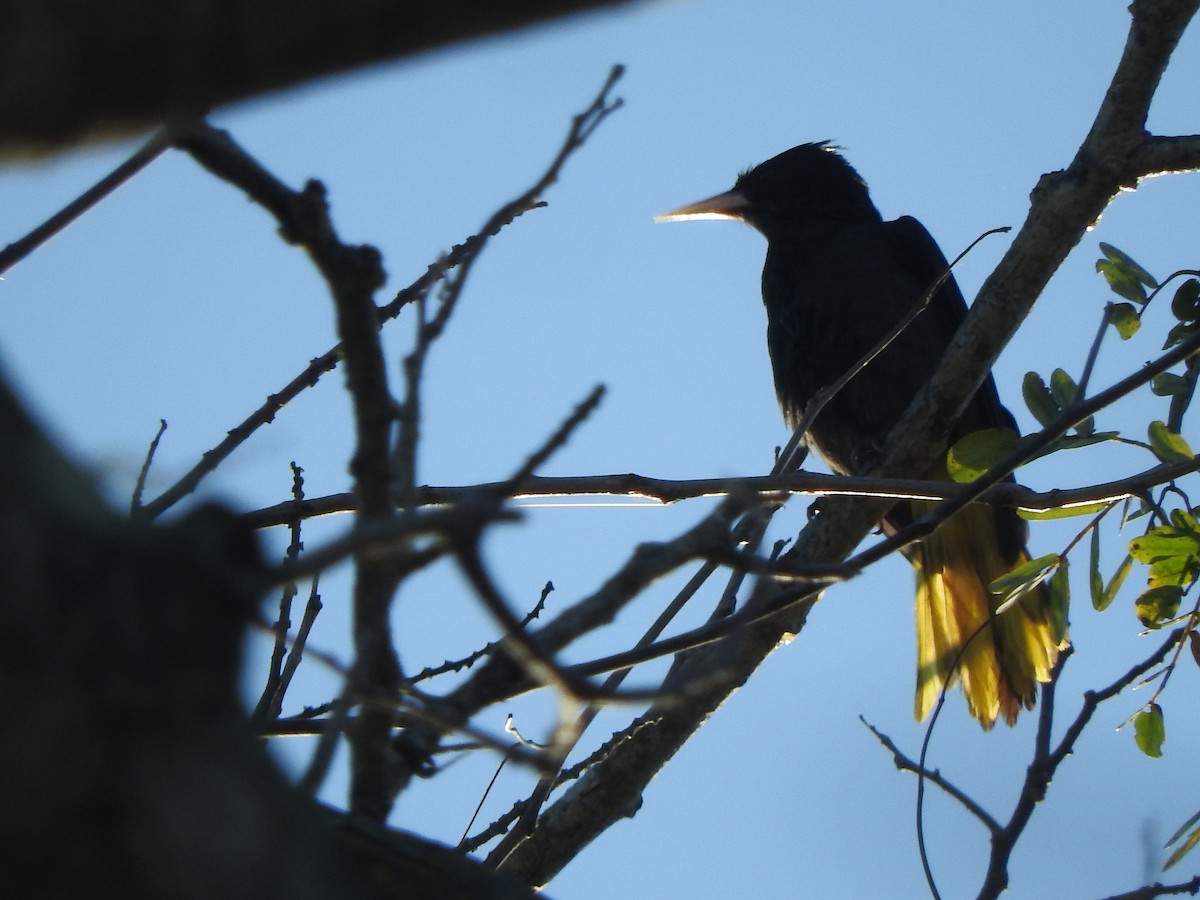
(1039, 399)
(1132, 515)
(1179, 571)
(1060, 600)
(1179, 333)
(1149, 730)
(1185, 305)
(1114, 583)
(1125, 318)
(1063, 512)
(1125, 277)
(1185, 520)
(975, 453)
(1168, 384)
(1063, 388)
(1095, 579)
(1182, 850)
(1073, 442)
(1158, 605)
(1179, 832)
(1065, 393)
(1164, 542)
(1167, 445)
(1123, 259)
(1187, 845)
(1121, 283)
(1024, 578)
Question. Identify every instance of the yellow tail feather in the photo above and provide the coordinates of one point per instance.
(1004, 662)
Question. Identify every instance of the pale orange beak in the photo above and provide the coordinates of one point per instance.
(729, 205)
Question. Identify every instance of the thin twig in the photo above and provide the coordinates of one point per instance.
(135, 501)
(466, 662)
(905, 764)
(271, 701)
(142, 157)
(1094, 351)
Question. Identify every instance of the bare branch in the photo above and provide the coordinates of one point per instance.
(243, 171)
(142, 157)
(353, 274)
(906, 764)
(1150, 891)
(271, 701)
(1045, 763)
(135, 501)
(771, 487)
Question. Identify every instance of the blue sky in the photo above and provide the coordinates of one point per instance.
(175, 300)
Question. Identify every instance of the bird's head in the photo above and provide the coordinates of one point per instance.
(807, 184)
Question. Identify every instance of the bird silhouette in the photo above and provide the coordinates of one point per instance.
(836, 280)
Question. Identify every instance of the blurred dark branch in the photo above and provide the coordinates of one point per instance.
(381, 477)
(407, 716)
(133, 633)
(430, 327)
(354, 274)
(312, 609)
(748, 534)
(67, 72)
(464, 541)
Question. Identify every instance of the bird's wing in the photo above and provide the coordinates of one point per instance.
(919, 253)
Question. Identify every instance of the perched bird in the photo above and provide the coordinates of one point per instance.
(837, 278)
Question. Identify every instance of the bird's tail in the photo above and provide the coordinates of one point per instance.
(1005, 655)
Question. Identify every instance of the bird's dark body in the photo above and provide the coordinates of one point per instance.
(825, 312)
(833, 290)
(837, 279)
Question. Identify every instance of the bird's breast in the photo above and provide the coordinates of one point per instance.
(829, 303)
